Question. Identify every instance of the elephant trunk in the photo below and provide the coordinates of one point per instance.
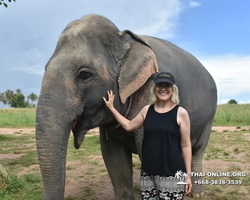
(52, 133)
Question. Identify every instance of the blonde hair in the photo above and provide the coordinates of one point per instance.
(174, 96)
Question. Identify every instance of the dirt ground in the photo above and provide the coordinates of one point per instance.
(97, 184)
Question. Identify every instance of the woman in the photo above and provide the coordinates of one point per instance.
(166, 148)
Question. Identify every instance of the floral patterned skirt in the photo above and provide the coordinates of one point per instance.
(155, 187)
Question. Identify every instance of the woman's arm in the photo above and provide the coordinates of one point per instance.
(184, 123)
(128, 125)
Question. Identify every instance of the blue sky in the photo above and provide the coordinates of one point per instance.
(215, 32)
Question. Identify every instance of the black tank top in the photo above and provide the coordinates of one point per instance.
(161, 149)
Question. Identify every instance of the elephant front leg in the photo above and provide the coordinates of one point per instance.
(118, 160)
(197, 189)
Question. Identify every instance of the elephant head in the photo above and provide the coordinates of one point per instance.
(91, 57)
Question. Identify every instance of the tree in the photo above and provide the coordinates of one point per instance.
(5, 4)
(232, 101)
(33, 97)
(19, 101)
(3, 98)
(7, 97)
(18, 91)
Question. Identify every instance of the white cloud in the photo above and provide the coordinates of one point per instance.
(224, 101)
(230, 72)
(194, 4)
(35, 69)
(155, 19)
(244, 102)
(35, 53)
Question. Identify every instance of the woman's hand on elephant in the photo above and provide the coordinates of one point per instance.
(188, 186)
(110, 102)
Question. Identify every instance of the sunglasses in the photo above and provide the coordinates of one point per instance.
(163, 84)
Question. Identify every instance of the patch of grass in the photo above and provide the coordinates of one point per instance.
(93, 162)
(217, 192)
(208, 156)
(88, 193)
(136, 161)
(13, 139)
(236, 150)
(90, 172)
(246, 181)
(234, 168)
(3, 185)
(226, 153)
(214, 153)
(70, 198)
(69, 167)
(137, 191)
(214, 191)
(236, 192)
(28, 159)
(17, 152)
(231, 160)
(6, 138)
(13, 185)
(103, 170)
(137, 187)
(32, 178)
(226, 146)
(6, 151)
(28, 188)
(90, 146)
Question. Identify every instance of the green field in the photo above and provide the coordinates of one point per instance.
(226, 115)
(17, 117)
(232, 115)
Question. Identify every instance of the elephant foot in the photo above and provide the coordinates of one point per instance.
(196, 195)
(197, 190)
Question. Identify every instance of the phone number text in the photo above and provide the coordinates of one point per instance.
(218, 182)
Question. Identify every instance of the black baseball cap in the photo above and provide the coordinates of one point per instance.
(164, 77)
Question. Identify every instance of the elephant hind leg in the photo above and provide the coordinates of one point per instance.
(197, 158)
(118, 160)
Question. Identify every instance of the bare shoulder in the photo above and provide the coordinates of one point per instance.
(182, 115)
(144, 111)
(182, 111)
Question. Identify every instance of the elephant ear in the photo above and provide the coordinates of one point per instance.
(138, 64)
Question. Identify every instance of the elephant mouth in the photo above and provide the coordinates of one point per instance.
(74, 125)
(78, 132)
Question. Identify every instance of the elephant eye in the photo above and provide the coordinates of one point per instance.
(84, 74)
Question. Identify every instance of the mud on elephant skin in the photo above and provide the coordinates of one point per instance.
(91, 57)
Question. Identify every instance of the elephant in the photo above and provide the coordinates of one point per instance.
(91, 57)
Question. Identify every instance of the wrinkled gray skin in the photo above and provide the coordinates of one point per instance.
(91, 57)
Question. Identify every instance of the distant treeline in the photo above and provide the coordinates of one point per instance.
(16, 99)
